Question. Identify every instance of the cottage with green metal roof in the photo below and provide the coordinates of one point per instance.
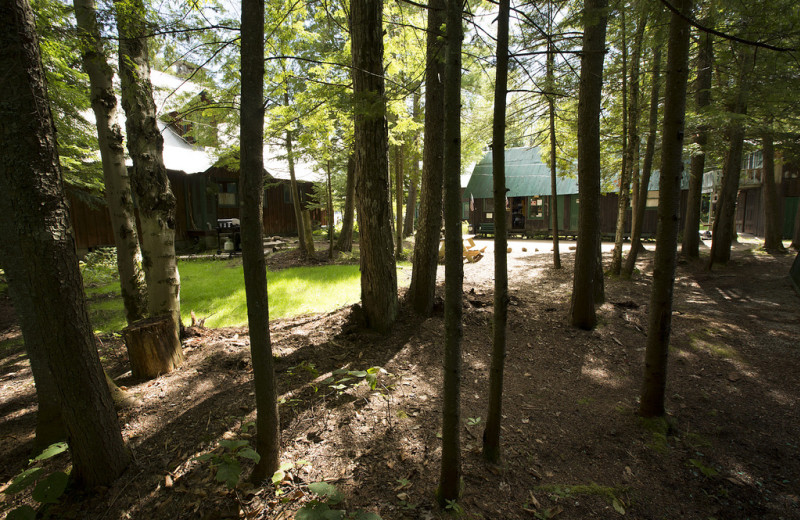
(529, 198)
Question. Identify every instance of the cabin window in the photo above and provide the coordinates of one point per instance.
(652, 199)
(287, 194)
(753, 160)
(464, 210)
(536, 208)
(489, 216)
(228, 195)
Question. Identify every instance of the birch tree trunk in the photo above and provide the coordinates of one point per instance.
(149, 179)
(426, 246)
(38, 256)
(378, 268)
(660, 316)
(112, 153)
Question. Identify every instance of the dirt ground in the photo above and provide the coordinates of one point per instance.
(573, 446)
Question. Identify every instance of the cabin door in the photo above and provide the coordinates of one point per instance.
(517, 213)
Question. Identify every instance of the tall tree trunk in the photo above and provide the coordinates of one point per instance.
(398, 182)
(551, 108)
(450, 474)
(426, 248)
(690, 246)
(330, 210)
(724, 222)
(149, 179)
(253, 262)
(345, 242)
(491, 435)
(796, 237)
(115, 173)
(634, 112)
(624, 178)
(582, 313)
(647, 169)
(38, 255)
(411, 202)
(772, 213)
(660, 319)
(378, 268)
(295, 189)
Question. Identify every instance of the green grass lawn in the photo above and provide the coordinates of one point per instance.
(215, 289)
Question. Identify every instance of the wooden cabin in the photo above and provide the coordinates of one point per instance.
(750, 202)
(204, 193)
(529, 199)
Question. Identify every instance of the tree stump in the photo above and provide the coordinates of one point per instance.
(150, 344)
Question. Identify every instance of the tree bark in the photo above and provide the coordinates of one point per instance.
(660, 316)
(253, 262)
(411, 202)
(345, 242)
(329, 209)
(426, 248)
(115, 173)
(582, 313)
(647, 169)
(551, 108)
(150, 348)
(149, 179)
(796, 237)
(624, 178)
(38, 255)
(450, 475)
(690, 246)
(724, 222)
(772, 214)
(378, 268)
(491, 435)
(398, 182)
(296, 204)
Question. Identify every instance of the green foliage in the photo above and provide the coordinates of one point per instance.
(707, 471)
(609, 493)
(47, 488)
(226, 463)
(327, 495)
(67, 89)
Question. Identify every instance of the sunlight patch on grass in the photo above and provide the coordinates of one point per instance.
(215, 290)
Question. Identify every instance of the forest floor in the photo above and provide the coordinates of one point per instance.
(573, 446)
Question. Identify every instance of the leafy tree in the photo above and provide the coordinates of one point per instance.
(38, 255)
(660, 316)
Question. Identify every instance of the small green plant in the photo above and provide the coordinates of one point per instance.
(304, 366)
(707, 471)
(341, 379)
(227, 464)
(327, 495)
(47, 489)
(473, 421)
(610, 494)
